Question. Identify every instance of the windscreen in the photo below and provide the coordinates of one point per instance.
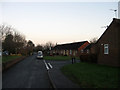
(39, 52)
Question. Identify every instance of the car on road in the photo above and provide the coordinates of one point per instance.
(6, 53)
(40, 55)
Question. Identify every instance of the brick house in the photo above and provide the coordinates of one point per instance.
(70, 49)
(89, 53)
(108, 45)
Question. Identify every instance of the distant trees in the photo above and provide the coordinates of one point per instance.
(46, 48)
(30, 47)
(94, 40)
(39, 48)
(7, 38)
(8, 44)
(19, 42)
(14, 42)
(49, 45)
(4, 31)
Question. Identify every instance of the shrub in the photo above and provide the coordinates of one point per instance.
(89, 58)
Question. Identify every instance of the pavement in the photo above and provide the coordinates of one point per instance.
(60, 80)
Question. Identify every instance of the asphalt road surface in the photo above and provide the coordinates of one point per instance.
(29, 73)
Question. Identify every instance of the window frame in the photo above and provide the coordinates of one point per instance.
(70, 52)
(81, 51)
(106, 48)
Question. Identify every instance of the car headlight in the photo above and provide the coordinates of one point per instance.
(41, 56)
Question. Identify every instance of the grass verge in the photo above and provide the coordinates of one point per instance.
(9, 58)
(89, 75)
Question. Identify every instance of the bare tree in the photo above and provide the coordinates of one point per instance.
(94, 40)
(39, 48)
(8, 44)
(11, 39)
(5, 30)
(19, 41)
(30, 47)
(48, 45)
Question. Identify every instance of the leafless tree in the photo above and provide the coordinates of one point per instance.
(39, 47)
(94, 40)
(48, 45)
(30, 47)
(17, 41)
(5, 30)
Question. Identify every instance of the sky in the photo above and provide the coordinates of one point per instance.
(58, 22)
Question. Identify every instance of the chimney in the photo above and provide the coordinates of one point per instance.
(119, 10)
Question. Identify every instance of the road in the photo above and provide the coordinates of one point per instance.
(59, 79)
(29, 73)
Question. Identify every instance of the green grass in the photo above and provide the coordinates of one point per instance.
(9, 58)
(89, 75)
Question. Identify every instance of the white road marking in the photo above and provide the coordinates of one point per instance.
(50, 65)
(46, 65)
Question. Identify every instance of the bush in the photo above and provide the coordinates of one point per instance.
(89, 58)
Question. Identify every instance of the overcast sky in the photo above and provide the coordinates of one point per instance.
(58, 22)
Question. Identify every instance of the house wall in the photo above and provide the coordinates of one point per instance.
(94, 49)
(74, 52)
(66, 52)
(70, 51)
(110, 37)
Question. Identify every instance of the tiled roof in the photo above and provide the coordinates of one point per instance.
(68, 46)
(88, 47)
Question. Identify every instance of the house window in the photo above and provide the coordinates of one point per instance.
(64, 52)
(88, 51)
(82, 51)
(106, 49)
(70, 52)
(67, 52)
(76, 52)
(61, 52)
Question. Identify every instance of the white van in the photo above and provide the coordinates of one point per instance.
(40, 55)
